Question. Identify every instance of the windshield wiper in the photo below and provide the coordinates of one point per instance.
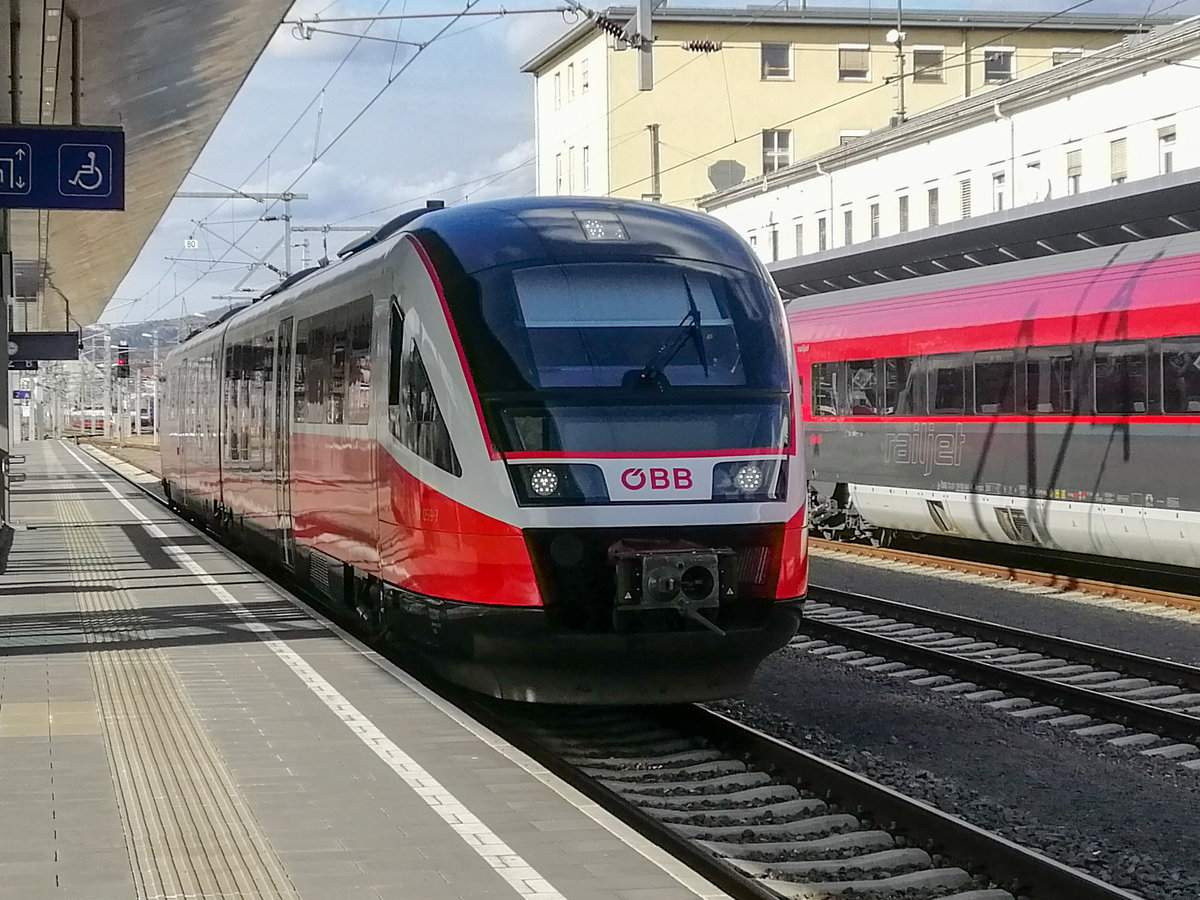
(689, 326)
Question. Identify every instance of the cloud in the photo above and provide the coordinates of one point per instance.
(524, 37)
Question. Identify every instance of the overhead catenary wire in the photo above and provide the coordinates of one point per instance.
(353, 121)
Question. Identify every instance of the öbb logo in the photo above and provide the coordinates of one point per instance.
(657, 479)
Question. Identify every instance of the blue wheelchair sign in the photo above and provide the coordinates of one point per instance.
(84, 170)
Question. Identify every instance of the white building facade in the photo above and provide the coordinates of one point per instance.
(571, 112)
(1127, 113)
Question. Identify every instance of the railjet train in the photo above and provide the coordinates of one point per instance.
(1052, 403)
(546, 445)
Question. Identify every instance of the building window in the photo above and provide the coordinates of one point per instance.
(570, 170)
(848, 227)
(587, 179)
(557, 90)
(1118, 160)
(928, 65)
(964, 194)
(934, 207)
(874, 220)
(822, 235)
(558, 174)
(1074, 171)
(754, 240)
(799, 238)
(998, 186)
(903, 213)
(1061, 56)
(570, 81)
(854, 62)
(997, 66)
(776, 62)
(851, 135)
(583, 76)
(1166, 150)
(777, 150)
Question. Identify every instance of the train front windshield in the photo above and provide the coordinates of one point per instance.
(627, 357)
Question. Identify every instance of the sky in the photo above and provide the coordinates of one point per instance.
(390, 127)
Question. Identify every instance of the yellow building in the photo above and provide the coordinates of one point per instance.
(783, 85)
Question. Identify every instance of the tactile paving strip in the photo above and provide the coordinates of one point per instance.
(188, 830)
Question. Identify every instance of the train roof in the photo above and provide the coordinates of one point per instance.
(574, 229)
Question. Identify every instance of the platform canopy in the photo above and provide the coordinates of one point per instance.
(165, 70)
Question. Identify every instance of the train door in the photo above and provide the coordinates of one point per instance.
(283, 439)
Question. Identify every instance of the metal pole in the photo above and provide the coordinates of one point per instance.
(287, 235)
(76, 68)
(108, 385)
(655, 169)
(154, 388)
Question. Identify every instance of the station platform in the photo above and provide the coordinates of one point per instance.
(173, 725)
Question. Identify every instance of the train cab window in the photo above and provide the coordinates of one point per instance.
(1181, 376)
(396, 320)
(947, 386)
(826, 384)
(1050, 381)
(863, 385)
(1122, 382)
(995, 383)
(897, 386)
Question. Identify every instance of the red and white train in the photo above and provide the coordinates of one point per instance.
(548, 445)
(1052, 403)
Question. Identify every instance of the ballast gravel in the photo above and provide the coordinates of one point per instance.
(1104, 809)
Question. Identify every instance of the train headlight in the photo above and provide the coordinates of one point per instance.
(566, 484)
(748, 478)
(543, 482)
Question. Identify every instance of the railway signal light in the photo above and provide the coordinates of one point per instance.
(122, 362)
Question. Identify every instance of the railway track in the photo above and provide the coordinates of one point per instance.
(1128, 699)
(766, 820)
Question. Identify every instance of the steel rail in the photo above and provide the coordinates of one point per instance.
(1153, 668)
(1023, 870)
(1166, 722)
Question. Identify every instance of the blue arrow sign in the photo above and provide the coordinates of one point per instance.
(55, 167)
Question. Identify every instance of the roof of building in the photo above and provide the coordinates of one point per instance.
(1136, 53)
(772, 15)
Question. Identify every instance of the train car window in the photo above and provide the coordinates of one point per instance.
(995, 383)
(242, 355)
(826, 386)
(1050, 381)
(898, 386)
(863, 385)
(232, 447)
(300, 379)
(265, 368)
(1181, 376)
(358, 379)
(339, 339)
(420, 425)
(1122, 378)
(947, 386)
(320, 351)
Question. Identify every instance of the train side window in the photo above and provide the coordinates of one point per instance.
(397, 344)
(300, 380)
(863, 385)
(826, 388)
(897, 386)
(1122, 378)
(947, 386)
(358, 379)
(1050, 381)
(995, 383)
(1181, 376)
(420, 425)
